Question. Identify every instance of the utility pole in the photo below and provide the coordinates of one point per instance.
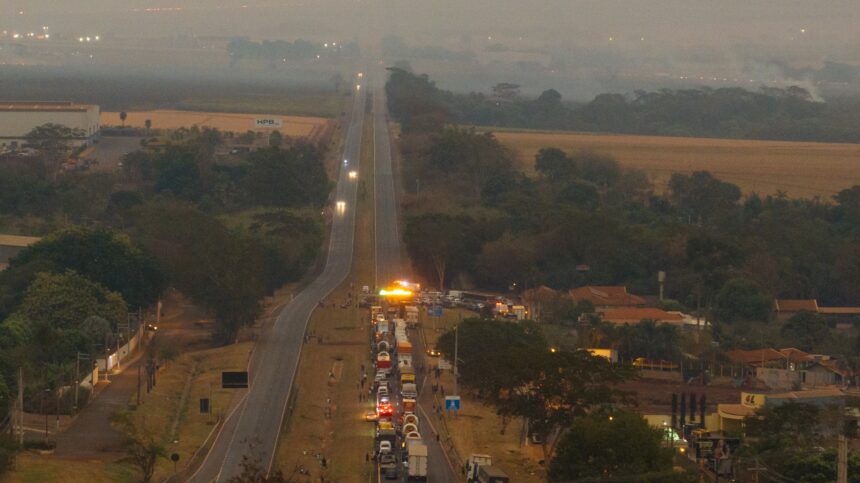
(842, 460)
(456, 348)
(21, 406)
(756, 469)
(107, 378)
(78, 377)
(138, 384)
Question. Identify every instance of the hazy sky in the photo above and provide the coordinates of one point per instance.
(669, 22)
(603, 39)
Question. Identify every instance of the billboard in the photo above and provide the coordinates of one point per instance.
(234, 380)
(268, 123)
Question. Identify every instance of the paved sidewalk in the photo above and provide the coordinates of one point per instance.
(91, 435)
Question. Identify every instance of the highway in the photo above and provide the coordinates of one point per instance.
(389, 262)
(258, 419)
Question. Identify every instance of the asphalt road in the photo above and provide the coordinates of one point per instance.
(257, 421)
(389, 265)
(389, 262)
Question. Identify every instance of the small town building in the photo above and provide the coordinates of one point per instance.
(789, 368)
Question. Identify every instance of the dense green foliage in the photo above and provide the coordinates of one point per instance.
(597, 446)
(59, 315)
(510, 367)
(721, 252)
(732, 112)
(100, 255)
(781, 438)
(226, 235)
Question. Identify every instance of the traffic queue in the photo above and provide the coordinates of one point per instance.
(398, 447)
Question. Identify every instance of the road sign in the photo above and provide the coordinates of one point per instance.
(234, 380)
(204, 405)
(434, 311)
(444, 365)
(452, 403)
(269, 123)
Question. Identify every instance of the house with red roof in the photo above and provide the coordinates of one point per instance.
(606, 296)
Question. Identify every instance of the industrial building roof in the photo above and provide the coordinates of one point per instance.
(37, 106)
(795, 305)
(17, 240)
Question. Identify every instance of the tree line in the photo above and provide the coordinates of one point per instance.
(225, 235)
(732, 112)
(582, 219)
(569, 399)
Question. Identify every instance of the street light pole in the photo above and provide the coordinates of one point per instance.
(456, 350)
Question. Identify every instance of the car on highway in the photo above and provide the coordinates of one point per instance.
(433, 352)
(371, 416)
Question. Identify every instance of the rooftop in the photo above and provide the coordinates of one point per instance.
(633, 315)
(36, 106)
(17, 240)
(795, 305)
(839, 310)
(755, 356)
(606, 295)
(811, 393)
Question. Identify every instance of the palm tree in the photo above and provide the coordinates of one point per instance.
(122, 117)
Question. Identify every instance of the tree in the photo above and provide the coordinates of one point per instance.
(441, 243)
(550, 97)
(102, 256)
(178, 171)
(806, 331)
(613, 446)
(600, 169)
(275, 139)
(218, 269)
(510, 368)
(122, 117)
(294, 176)
(142, 448)
(64, 301)
(701, 196)
(741, 299)
(52, 141)
(782, 435)
(148, 125)
(554, 165)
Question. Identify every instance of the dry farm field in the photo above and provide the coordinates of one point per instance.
(801, 169)
(296, 126)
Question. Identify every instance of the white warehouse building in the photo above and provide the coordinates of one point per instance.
(19, 118)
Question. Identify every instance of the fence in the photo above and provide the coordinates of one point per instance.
(122, 353)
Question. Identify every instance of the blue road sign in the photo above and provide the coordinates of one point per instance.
(452, 402)
(437, 311)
